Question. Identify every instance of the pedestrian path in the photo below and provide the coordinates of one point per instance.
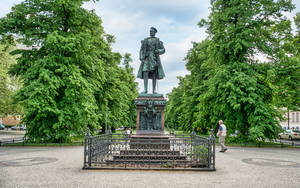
(62, 167)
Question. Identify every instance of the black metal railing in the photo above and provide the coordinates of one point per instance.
(117, 151)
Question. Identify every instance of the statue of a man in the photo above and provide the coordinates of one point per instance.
(151, 67)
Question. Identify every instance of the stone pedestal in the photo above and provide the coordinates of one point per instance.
(150, 116)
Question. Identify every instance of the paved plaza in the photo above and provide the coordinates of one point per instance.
(62, 167)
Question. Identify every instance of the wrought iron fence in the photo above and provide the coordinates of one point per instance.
(117, 151)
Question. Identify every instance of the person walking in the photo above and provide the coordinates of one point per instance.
(222, 134)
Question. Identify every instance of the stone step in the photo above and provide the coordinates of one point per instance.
(149, 141)
(149, 152)
(149, 144)
(165, 146)
(149, 157)
(153, 161)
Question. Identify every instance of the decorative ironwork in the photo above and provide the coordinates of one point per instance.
(165, 152)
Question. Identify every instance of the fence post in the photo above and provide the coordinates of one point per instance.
(209, 151)
(193, 132)
(109, 131)
(213, 148)
(193, 135)
(87, 148)
(85, 151)
(110, 135)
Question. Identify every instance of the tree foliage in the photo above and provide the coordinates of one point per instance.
(288, 72)
(183, 101)
(174, 106)
(8, 84)
(227, 80)
(70, 75)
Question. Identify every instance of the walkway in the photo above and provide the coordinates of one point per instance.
(61, 167)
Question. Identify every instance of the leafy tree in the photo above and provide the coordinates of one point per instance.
(132, 92)
(8, 84)
(233, 84)
(70, 75)
(174, 106)
(120, 92)
(199, 66)
(241, 91)
(288, 72)
(182, 109)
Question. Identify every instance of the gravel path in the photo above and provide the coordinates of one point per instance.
(62, 167)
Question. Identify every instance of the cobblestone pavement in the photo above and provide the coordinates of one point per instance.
(62, 167)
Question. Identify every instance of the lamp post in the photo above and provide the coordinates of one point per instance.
(105, 122)
(288, 118)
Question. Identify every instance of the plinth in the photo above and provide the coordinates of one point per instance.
(150, 116)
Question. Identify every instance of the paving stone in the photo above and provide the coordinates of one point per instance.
(62, 167)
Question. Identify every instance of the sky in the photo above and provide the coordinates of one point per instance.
(130, 20)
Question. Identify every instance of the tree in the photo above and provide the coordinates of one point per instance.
(70, 75)
(120, 92)
(233, 84)
(288, 72)
(8, 84)
(241, 91)
(174, 106)
(184, 99)
(287, 80)
(132, 92)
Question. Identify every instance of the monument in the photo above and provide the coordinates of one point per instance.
(150, 106)
(150, 147)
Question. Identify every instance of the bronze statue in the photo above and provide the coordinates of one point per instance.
(151, 67)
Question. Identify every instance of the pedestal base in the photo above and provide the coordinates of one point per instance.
(150, 132)
(150, 141)
(150, 113)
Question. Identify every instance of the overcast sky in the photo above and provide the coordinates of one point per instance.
(129, 21)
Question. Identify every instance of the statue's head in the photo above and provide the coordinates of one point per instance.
(153, 31)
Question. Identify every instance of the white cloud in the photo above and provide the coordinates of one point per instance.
(129, 21)
(176, 21)
(6, 6)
